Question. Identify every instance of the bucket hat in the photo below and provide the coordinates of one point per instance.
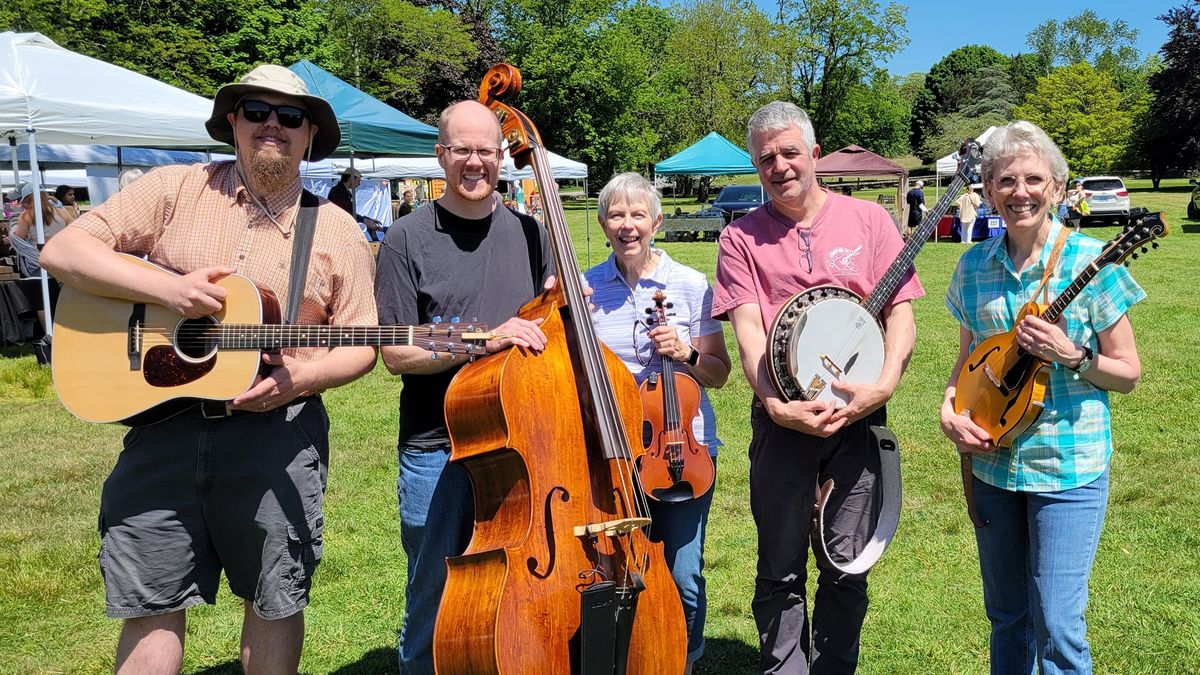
(275, 79)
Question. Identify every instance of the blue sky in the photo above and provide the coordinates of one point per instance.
(938, 27)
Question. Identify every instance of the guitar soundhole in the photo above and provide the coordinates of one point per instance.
(195, 339)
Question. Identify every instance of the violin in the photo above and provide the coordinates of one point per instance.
(675, 467)
(561, 575)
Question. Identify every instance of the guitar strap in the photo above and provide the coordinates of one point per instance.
(889, 510)
(965, 469)
(306, 225)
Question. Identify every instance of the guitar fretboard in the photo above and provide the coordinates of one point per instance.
(269, 337)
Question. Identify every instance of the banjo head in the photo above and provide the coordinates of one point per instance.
(821, 335)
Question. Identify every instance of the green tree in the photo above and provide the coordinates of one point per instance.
(1023, 72)
(948, 87)
(1109, 46)
(1168, 133)
(874, 115)
(833, 46)
(398, 51)
(1080, 109)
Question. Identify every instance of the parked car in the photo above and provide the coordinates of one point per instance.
(736, 201)
(1194, 205)
(1107, 198)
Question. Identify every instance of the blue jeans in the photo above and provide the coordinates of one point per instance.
(680, 526)
(429, 486)
(1035, 555)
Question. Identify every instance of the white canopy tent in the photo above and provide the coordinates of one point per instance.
(53, 95)
(428, 167)
(948, 165)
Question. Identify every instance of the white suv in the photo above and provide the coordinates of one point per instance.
(1106, 198)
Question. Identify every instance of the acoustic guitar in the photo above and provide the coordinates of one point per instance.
(1003, 386)
(139, 363)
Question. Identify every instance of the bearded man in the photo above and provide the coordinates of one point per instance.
(236, 486)
(467, 256)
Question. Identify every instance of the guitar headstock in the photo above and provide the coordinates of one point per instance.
(454, 338)
(500, 86)
(1143, 231)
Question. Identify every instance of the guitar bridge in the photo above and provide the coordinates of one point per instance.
(134, 338)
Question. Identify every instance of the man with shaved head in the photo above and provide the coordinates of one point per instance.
(471, 257)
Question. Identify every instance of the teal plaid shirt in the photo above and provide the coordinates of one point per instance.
(1071, 442)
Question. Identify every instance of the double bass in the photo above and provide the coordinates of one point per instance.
(560, 575)
(675, 466)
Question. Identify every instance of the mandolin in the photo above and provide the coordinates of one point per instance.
(139, 363)
(1003, 386)
(675, 466)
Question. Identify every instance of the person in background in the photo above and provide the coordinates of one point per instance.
(406, 206)
(342, 194)
(1077, 206)
(226, 486)
(128, 176)
(1043, 500)
(916, 206)
(968, 211)
(623, 287)
(65, 194)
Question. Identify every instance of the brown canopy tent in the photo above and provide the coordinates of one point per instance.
(855, 161)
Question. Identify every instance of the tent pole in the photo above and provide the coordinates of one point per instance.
(12, 145)
(41, 232)
(587, 223)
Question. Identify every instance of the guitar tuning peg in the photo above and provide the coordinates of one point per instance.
(1145, 250)
(1135, 256)
(649, 310)
(454, 319)
(436, 319)
(1154, 245)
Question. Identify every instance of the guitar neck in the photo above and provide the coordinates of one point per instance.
(282, 336)
(891, 279)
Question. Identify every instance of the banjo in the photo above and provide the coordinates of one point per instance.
(829, 333)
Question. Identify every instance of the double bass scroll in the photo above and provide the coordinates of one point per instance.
(560, 575)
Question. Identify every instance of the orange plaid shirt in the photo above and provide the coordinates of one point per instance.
(188, 217)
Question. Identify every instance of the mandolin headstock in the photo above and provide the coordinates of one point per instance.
(1143, 231)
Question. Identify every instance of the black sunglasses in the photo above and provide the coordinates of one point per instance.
(288, 115)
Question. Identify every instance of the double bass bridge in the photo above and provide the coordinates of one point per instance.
(610, 528)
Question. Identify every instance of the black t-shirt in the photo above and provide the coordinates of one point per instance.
(433, 263)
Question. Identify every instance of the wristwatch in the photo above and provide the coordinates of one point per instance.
(694, 357)
(1086, 361)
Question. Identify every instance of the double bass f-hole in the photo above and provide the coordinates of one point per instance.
(562, 495)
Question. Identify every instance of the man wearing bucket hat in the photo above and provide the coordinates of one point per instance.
(236, 486)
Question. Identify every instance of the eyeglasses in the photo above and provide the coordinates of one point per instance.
(462, 152)
(288, 115)
(1034, 183)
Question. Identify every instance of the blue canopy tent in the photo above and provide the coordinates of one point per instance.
(369, 126)
(713, 155)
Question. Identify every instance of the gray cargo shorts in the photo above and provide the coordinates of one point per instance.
(190, 496)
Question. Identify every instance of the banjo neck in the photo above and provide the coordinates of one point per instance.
(890, 281)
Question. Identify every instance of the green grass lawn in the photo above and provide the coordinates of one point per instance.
(926, 611)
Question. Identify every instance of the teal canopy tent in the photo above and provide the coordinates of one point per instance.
(713, 155)
(369, 126)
